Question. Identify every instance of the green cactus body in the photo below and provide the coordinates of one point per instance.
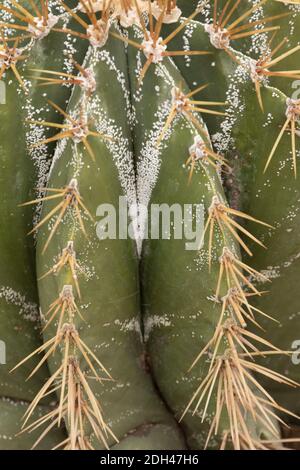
(170, 273)
(21, 168)
(149, 340)
(257, 191)
(110, 295)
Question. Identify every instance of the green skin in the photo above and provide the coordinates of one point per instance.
(174, 315)
(289, 28)
(12, 412)
(19, 173)
(110, 296)
(217, 69)
(252, 142)
(177, 323)
(19, 303)
(278, 190)
(214, 69)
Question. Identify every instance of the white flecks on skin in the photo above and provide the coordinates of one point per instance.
(155, 321)
(223, 139)
(28, 310)
(134, 325)
(186, 36)
(119, 148)
(107, 58)
(259, 42)
(124, 161)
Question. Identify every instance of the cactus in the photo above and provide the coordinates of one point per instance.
(134, 341)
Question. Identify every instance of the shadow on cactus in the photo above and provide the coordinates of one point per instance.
(121, 340)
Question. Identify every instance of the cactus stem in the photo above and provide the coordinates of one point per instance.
(71, 199)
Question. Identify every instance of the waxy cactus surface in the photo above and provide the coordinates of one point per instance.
(117, 334)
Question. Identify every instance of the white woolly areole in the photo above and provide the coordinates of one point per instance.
(98, 34)
(67, 292)
(79, 131)
(293, 108)
(215, 203)
(94, 5)
(197, 150)
(70, 246)
(127, 16)
(9, 56)
(227, 255)
(219, 38)
(73, 185)
(171, 17)
(88, 81)
(42, 26)
(154, 49)
(256, 71)
(179, 100)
